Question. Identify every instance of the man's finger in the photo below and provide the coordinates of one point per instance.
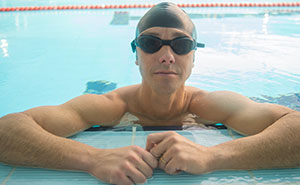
(145, 169)
(123, 181)
(161, 148)
(145, 163)
(155, 138)
(119, 179)
(173, 167)
(149, 159)
(162, 162)
(165, 158)
(135, 175)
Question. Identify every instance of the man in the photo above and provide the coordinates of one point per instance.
(165, 45)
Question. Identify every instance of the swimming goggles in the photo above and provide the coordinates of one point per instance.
(152, 44)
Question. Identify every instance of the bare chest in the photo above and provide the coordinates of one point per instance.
(178, 120)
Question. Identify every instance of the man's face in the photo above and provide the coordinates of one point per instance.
(164, 71)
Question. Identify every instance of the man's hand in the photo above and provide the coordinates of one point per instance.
(176, 153)
(127, 165)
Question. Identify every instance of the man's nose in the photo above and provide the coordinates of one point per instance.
(167, 55)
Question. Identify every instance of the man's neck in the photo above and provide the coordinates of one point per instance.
(161, 105)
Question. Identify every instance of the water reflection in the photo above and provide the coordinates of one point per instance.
(3, 47)
(290, 100)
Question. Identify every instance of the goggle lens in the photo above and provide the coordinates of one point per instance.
(149, 44)
(182, 46)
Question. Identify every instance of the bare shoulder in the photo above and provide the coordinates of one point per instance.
(194, 92)
(193, 95)
(214, 106)
(116, 96)
(127, 92)
(104, 109)
(228, 101)
(218, 99)
(225, 99)
(236, 111)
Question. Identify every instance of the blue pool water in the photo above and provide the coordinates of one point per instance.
(48, 57)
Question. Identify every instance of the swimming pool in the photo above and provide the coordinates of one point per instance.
(48, 57)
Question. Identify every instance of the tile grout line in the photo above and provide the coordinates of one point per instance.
(133, 135)
(8, 176)
(249, 171)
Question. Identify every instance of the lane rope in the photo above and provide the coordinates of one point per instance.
(131, 6)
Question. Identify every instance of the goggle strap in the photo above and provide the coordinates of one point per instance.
(133, 45)
(200, 45)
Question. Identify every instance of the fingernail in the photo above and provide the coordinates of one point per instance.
(144, 182)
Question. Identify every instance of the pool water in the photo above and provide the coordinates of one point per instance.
(48, 57)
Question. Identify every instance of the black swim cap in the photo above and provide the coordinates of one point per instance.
(167, 15)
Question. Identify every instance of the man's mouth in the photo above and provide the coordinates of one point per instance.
(166, 73)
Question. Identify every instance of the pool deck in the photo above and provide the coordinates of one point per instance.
(10, 175)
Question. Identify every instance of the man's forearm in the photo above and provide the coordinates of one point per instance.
(23, 142)
(276, 146)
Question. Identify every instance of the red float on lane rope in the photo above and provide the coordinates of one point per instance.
(130, 6)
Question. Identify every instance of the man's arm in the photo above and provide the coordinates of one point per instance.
(274, 133)
(23, 142)
(25, 136)
(273, 142)
(275, 147)
(33, 138)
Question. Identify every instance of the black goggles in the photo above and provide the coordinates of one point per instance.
(152, 44)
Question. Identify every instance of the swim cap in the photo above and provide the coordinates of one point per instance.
(167, 15)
